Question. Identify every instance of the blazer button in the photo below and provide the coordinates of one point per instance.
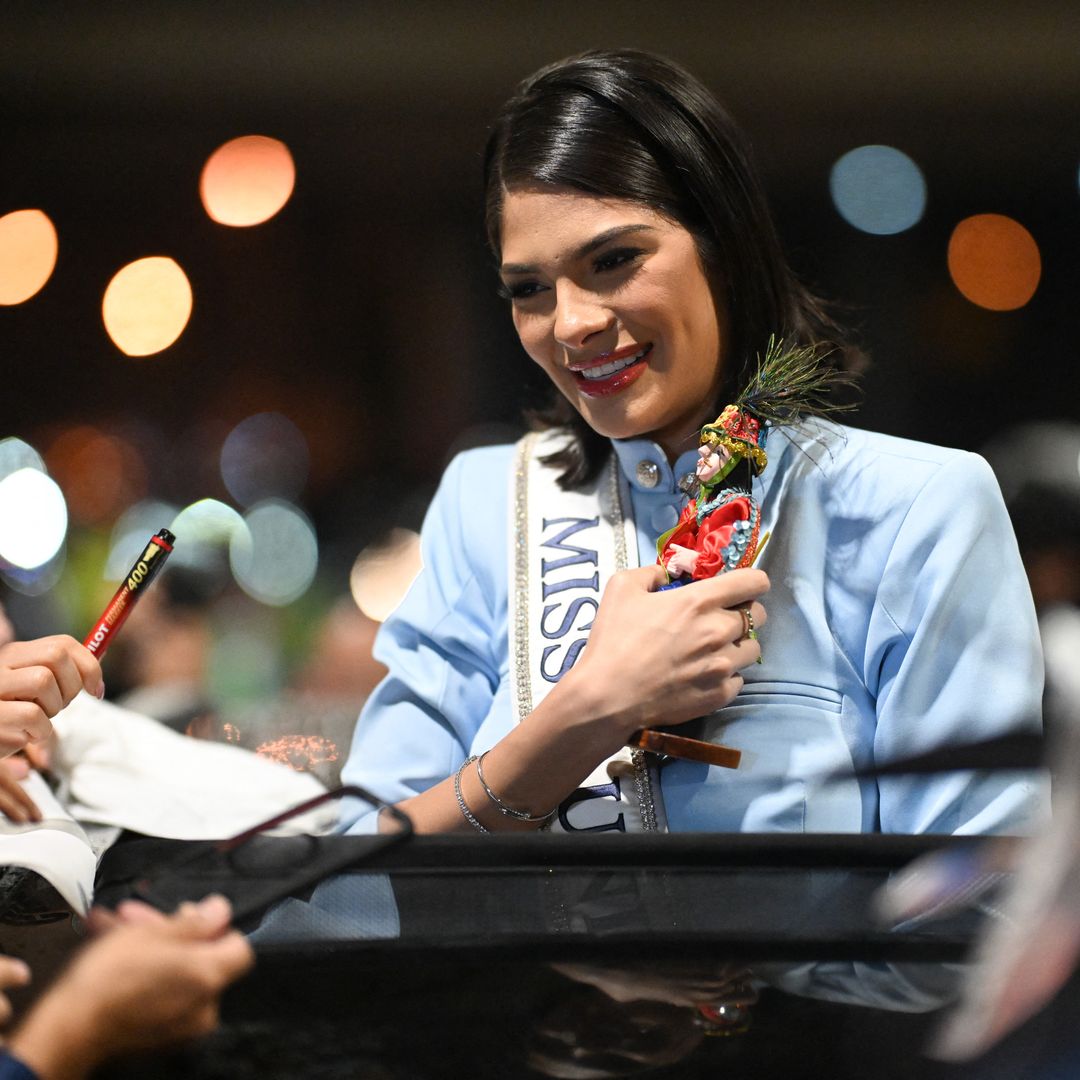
(648, 473)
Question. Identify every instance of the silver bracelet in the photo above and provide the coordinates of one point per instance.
(466, 813)
(506, 811)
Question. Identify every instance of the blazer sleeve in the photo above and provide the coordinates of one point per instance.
(439, 645)
(953, 654)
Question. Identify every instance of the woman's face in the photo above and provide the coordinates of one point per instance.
(612, 301)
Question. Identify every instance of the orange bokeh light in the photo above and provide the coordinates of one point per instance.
(28, 249)
(100, 474)
(147, 305)
(247, 180)
(994, 261)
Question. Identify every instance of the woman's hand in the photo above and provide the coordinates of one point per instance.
(37, 679)
(667, 657)
(652, 657)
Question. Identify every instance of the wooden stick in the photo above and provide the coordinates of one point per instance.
(679, 746)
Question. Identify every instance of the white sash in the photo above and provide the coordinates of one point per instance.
(564, 546)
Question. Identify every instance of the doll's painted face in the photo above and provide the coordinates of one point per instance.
(711, 459)
(612, 301)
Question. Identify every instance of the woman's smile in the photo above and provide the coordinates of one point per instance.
(611, 372)
(611, 300)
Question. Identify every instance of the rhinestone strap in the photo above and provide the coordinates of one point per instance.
(523, 686)
(638, 759)
(466, 813)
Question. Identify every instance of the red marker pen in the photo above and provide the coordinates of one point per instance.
(138, 578)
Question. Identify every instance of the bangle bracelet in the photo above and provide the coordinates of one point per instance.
(466, 813)
(506, 811)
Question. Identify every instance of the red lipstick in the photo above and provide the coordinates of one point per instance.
(617, 380)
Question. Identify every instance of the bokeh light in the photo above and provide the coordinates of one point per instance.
(33, 518)
(247, 180)
(383, 572)
(300, 752)
(147, 305)
(994, 261)
(205, 532)
(132, 530)
(264, 456)
(274, 560)
(878, 189)
(38, 580)
(100, 474)
(16, 454)
(28, 249)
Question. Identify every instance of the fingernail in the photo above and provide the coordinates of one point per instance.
(99, 693)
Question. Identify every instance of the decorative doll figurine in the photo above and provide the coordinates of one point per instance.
(719, 528)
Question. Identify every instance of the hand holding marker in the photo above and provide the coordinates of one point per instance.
(138, 578)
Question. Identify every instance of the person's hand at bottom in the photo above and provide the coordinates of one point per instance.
(12, 973)
(150, 980)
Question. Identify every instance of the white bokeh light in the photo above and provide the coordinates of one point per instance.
(33, 518)
(16, 454)
(204, 531)
(878, 189)
(274, 560)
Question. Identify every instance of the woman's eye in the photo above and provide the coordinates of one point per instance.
(612, 260)
(520, 290)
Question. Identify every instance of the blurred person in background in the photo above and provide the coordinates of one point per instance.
(158, 666)
(1038, 466)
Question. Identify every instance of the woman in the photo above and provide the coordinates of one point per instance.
(645, 278)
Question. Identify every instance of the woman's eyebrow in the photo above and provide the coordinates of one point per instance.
(587, 248)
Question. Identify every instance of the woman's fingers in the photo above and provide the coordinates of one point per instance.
(732, 589)
(15, 804)
(73, 667)
(37, 685)
(667, 657)
(37, 679)
(21, 722)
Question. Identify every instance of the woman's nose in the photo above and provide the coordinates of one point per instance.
(578, 315)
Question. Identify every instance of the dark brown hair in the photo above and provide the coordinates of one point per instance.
(630, 125)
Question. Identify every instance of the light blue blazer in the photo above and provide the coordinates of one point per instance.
(899, 619)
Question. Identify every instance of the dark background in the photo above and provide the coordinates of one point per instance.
(366, 309)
